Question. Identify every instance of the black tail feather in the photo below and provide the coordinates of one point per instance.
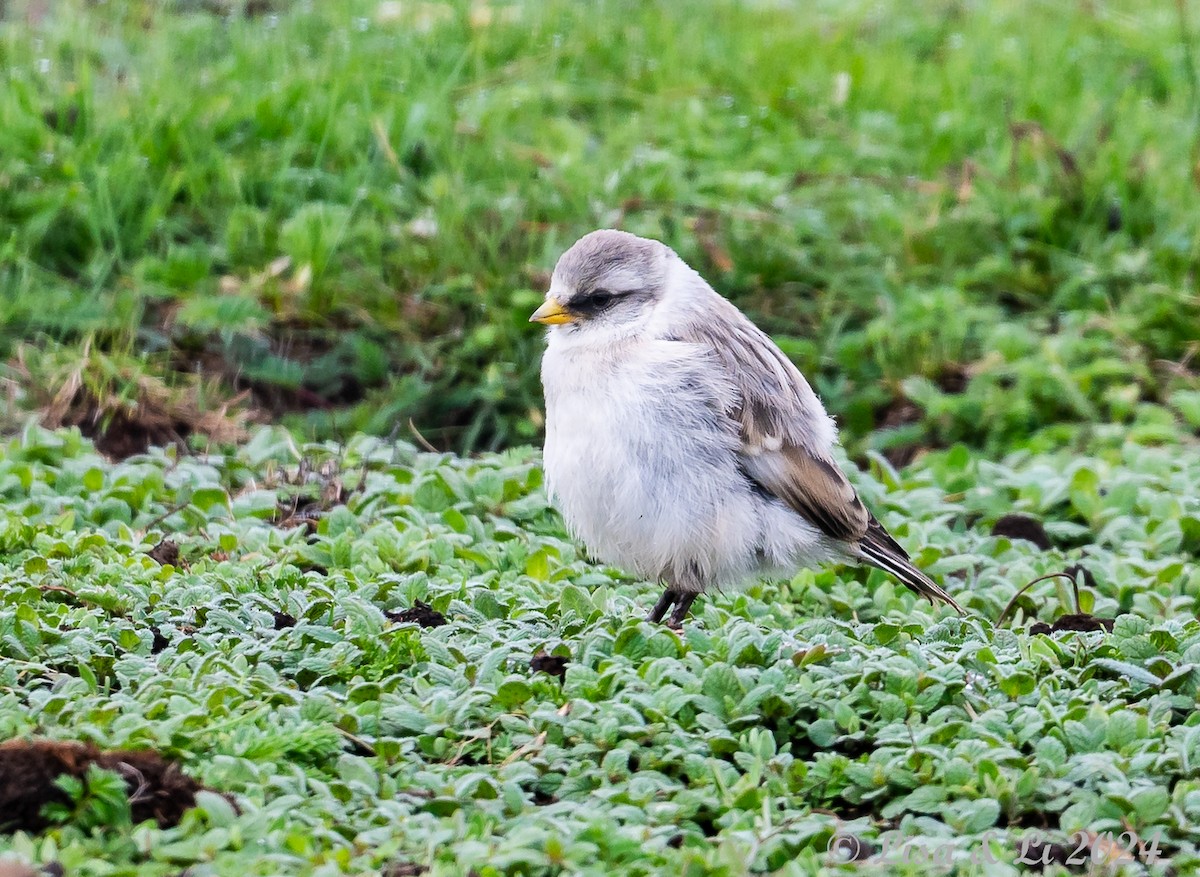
(880, 550)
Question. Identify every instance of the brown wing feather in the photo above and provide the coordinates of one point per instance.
(784, 429)
(816, 488)
(786, 439)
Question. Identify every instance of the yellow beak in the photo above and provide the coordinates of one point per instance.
(551, 313)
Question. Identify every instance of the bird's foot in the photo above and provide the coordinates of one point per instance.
(682, 605)
(664, 603)
(681, 600)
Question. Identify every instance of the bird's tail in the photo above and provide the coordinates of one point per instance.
(880, 550)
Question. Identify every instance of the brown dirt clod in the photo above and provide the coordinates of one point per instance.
(11, 868)
(166, 553)
(160, 642)
(158, 789)
(283, 620)
(1076, 570)
(1079, 621)
(1017, 526)
(142, 413)
(555, 665)
(404, 869)
(123, 435)
(420, 613)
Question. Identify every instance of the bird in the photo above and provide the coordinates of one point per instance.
(681, 444)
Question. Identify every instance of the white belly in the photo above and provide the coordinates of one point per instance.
(642, 463)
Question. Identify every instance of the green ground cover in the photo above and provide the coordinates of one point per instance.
(973, 225)
(263, 659)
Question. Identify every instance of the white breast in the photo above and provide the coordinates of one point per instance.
(641, 461)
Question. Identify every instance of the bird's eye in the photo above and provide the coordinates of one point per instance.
(592, 302)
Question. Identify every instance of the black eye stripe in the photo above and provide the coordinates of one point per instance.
(592, 302)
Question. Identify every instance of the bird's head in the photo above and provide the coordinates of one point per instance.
(609, 279)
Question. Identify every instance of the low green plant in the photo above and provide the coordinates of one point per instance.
(265, 659)
(99, 800)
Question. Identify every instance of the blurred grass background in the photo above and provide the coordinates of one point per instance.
(965, 221)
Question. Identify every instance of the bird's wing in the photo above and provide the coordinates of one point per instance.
(786, 441)
(785, 433)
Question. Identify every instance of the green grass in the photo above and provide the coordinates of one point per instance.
(971, 224)
(975, 218)
(833, 702)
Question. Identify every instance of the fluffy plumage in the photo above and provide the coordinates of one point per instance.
(681, 444)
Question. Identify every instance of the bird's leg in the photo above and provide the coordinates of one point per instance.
(682, 605)
(664, 603)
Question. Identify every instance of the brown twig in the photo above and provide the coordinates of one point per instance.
(359, 742)
(421, 440)
(1012, 602)
(178, 507)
